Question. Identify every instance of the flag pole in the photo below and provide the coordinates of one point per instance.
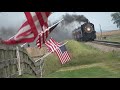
(55, 24)
(23, 44)
(49, 53)
(51, 26)
(42, 59)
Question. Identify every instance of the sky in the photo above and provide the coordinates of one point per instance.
(15, 19)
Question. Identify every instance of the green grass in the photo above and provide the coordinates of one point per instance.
(93, 72)
(82, 55)
(114, 38)
(52, 64)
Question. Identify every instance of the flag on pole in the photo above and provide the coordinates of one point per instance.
(37, 21)
(30, 29)
(59, 49)
(24, 35)
(63, 54)
(52, 45)
(43, 35)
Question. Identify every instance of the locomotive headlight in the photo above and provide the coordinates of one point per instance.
(88, 29)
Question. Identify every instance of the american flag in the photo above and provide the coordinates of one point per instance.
(59, 49)
(38, 22)
(63, 54)
(30, 29)
(23, 35)
(42, 38)
(52, 45)
(43, 35)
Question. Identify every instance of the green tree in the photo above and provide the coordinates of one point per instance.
(116, 18)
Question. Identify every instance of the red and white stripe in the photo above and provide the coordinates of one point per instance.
(52, 46)
(44, 34)
(37, 21)
(42, 38)
(24, 35)
(30, 29)
(64, 57)
(39, 41)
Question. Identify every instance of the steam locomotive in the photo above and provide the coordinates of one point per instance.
(86, 32)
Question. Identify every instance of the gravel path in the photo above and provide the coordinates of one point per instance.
(103, 47)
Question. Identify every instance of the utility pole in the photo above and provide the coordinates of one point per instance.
(100, 31)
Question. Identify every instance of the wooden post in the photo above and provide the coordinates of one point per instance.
(41, 69)
(48, 53)
(18, 59)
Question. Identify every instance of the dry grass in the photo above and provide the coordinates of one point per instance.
(36, 52)
(109, 33)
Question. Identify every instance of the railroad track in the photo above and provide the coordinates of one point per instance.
(108, 43)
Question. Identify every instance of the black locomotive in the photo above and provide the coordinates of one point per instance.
(85, 33)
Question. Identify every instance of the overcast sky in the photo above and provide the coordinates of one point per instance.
(15, 19)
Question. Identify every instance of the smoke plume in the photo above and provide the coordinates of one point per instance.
(70, 18)
(64, 30)
(6, 33)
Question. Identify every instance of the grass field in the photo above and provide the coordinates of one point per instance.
(77, 51)
(114, 38)
(82, 56)
(86, 62)
(93, 72)
(110, 35)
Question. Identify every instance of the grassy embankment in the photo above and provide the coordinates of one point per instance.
(86, 62)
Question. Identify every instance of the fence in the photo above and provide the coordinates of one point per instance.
(9, 62)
